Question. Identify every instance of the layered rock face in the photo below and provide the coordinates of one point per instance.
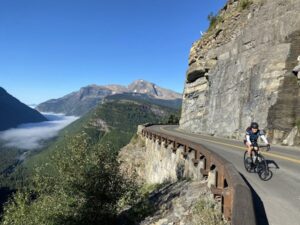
(153, 163)
(241, 71)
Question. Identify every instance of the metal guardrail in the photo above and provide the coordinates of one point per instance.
(236, 197)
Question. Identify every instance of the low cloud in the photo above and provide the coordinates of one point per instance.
(31, 135)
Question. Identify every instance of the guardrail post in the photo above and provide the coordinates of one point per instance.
(166, 143)
(159, 140)
(185, 151)
(220, 177)
(174, 147)
(203, 170)
(227, 203)
(212, 177)
(196, 157)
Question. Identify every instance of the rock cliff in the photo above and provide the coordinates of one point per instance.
(153, 163)
(242, 70)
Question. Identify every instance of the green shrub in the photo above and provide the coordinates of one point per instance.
(214, 20)
(298, 124)
(244, 4)
(173, 120)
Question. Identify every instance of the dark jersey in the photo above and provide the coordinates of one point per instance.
(254, 136)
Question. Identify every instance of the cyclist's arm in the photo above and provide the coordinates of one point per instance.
(248, 139)
(263, 137)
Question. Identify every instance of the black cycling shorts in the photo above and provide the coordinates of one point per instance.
(254, 143)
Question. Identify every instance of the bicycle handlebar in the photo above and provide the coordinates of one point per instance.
(265, 146)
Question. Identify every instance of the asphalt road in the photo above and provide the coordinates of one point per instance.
(277, 201)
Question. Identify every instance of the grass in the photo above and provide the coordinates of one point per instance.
(207, 212)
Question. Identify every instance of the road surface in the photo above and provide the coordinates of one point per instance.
(277, 201)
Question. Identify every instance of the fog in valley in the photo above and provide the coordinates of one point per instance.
(30, 136)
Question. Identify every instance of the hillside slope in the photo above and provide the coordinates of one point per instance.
(241, 71)
(13, 112)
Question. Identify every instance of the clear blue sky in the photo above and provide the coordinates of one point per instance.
(49, 48)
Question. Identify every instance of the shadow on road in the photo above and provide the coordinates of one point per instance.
(272, 162)
(260, 213)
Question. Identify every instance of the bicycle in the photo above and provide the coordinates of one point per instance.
(258, 163)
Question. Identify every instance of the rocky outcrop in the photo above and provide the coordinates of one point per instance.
(183, 202)
(154, 163)
(241, 70)
(98, 124)
(133, 158)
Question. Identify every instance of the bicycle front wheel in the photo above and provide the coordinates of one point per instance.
(265, 175)
(264, 172)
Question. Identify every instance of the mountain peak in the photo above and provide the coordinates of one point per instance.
(141, 82)
(149, 88)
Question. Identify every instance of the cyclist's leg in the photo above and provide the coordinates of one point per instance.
(255, 149)
(249, 148)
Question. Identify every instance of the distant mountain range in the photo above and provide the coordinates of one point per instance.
(13, 112)
(80, 102)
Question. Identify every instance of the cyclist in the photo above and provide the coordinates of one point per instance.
(252, 135)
